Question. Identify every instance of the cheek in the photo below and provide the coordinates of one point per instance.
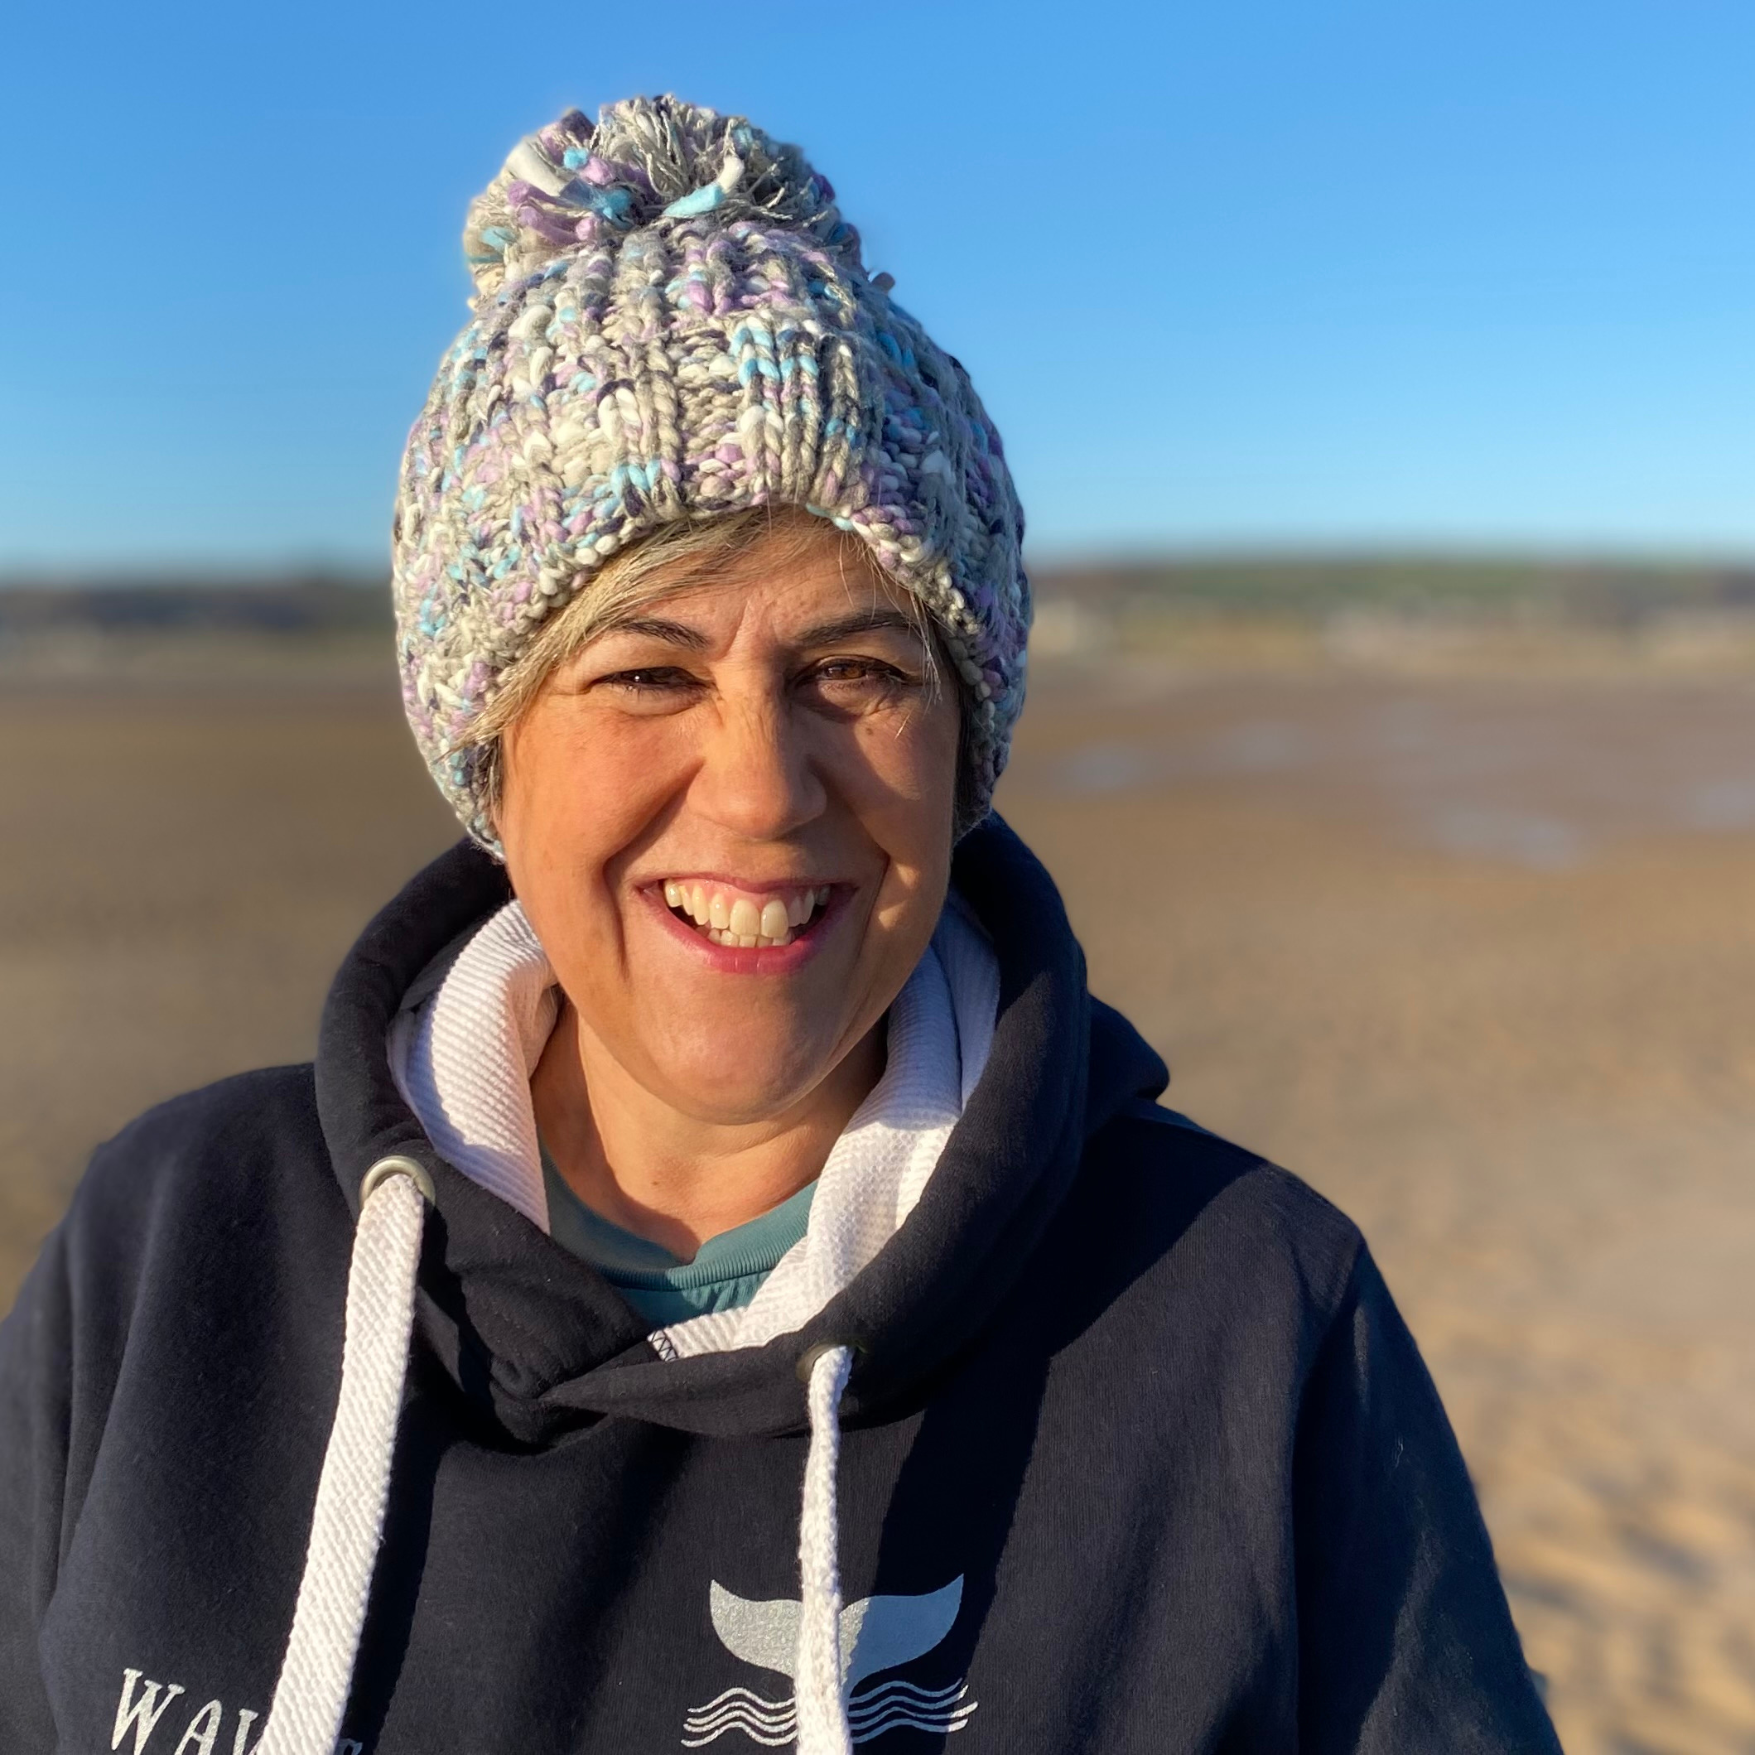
(902, 779)
(899, 784)
(576, 793)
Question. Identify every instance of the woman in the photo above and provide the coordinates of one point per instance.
(776, 1309)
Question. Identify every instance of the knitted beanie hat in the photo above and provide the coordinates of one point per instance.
(671, 321)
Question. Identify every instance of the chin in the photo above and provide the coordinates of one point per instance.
(767, 1081)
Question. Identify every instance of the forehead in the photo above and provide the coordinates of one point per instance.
(800, 575)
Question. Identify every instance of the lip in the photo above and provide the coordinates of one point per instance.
(734, 959)
(731, 881)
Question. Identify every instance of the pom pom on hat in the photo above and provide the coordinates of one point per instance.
(644, 161)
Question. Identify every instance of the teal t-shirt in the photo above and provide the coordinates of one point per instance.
(727, 1272)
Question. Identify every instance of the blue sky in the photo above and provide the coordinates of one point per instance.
(1259, 273)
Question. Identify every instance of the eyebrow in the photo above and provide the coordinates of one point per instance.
(655, 628)
(876, 620)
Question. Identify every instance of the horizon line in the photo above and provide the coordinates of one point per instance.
(360, 574)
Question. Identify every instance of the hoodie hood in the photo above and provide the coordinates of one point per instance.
(545, 1344)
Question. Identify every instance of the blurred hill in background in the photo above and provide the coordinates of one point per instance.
(62, 629)
(1408, 609)
(1386, 608)
(1299, 585)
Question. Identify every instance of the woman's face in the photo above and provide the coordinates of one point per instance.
(729, 821)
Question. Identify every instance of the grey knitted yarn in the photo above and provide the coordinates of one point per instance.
(672, 320)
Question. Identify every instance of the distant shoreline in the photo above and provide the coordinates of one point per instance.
(1310, 585)
(1432, 614)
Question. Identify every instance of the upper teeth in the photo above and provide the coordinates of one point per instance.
(730, 917)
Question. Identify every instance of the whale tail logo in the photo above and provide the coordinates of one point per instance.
(877, 1633)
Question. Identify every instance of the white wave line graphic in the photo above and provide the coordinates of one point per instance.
(889, 1706)
(730, 1715)
(742, 1697)
(897, 1689)
(867, 1708)
(781, 1721)
(775, 1742)
(894, 1705)
(768, 1722)
(771, 1736)
(947, 1723)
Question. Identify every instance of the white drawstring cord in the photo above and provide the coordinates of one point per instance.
(822, 1707)
(348, 1522)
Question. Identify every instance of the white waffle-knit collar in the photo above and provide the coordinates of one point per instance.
(463, 1060)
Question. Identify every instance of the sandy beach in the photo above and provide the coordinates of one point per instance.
(1473, 952)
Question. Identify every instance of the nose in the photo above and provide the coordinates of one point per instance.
(757, 779)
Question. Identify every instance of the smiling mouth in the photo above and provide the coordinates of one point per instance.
(733, 917)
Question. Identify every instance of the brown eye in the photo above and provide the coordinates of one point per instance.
(648, 688)
(853, 687)
(648, 679)
(857, 670)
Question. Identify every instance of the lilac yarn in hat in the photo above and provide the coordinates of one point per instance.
(672, 320)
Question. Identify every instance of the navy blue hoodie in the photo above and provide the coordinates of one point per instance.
(1132, 1413)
